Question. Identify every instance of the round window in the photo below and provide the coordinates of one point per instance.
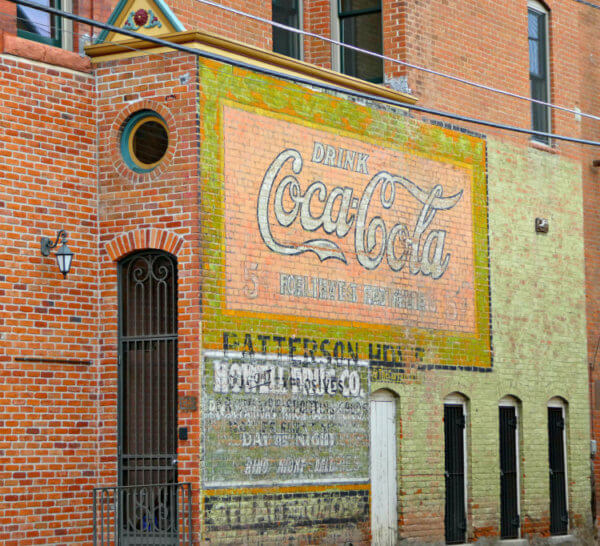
(144, 141)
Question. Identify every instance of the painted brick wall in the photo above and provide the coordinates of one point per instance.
(533, 338)
(48, 325)
(539, 347)
(539, 352)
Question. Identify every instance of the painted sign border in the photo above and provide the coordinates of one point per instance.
(283, 100)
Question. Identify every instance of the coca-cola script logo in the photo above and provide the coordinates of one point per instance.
(421, 249)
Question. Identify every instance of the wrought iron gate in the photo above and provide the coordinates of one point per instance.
(455, 515)
(559, 517)
(509, 504)
(148, 398)
(154, 515)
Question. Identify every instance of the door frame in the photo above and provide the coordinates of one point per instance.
(385, 395)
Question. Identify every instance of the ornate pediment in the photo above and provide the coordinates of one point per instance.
(149, 17)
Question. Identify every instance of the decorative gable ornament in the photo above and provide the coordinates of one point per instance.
(149, 17)
(142, 18)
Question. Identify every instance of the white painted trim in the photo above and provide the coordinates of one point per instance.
(563, 539)
(301, 27)
(67, 26)
(536, 5)
(384, 395)
(454, 399)
(509, 401)
(336, 56)
(556, 402)
(383, 470)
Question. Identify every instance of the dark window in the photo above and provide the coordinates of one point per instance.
(361, 26)
(509, 492)
(147, 369)
(144, 141)
(559, 517)
(287, 12)
(150, 142)
(39, 25)
(455, 521)
(538, 71)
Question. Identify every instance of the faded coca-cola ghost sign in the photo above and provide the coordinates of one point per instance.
(326, 225)
(341, 212)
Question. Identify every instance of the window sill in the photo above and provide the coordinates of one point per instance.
(543, 147)
(36, 51)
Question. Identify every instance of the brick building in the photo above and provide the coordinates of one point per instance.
(320, 315)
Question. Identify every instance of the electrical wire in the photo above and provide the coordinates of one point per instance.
(301, 80)
(398, 61)
(586, 3)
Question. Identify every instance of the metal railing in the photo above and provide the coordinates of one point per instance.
(149, 515)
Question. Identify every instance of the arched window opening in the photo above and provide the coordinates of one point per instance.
(147, 369)
(455, 441)
(557, 459)
(509, 416)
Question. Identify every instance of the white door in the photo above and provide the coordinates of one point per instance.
(384, 517)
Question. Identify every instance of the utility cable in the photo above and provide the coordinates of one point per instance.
(397, 61)
(299, 79)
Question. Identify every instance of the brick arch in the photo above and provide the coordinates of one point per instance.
(140, 239)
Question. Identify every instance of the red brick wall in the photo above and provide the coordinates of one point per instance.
(317, 20)
(8, 12)
(157, 210)
(48, 408)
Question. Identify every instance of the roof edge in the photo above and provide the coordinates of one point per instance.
(252, 55)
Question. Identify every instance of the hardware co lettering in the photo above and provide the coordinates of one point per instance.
(421, 249)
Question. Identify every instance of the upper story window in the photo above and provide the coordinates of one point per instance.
(40, 26)
(360, 25)
(539, 67)
(289, 13)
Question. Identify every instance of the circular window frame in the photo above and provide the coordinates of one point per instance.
(130, 127)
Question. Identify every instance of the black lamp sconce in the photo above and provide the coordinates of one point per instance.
(64, 256)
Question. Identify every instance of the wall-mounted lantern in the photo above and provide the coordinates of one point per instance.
(64, 256)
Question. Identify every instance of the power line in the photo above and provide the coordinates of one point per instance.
(596, 6)
(398, 61)
(299, 79)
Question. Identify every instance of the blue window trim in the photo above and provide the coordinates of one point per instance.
(132, 124)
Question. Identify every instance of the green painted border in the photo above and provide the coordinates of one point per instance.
(162, 7)
(218, 83)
